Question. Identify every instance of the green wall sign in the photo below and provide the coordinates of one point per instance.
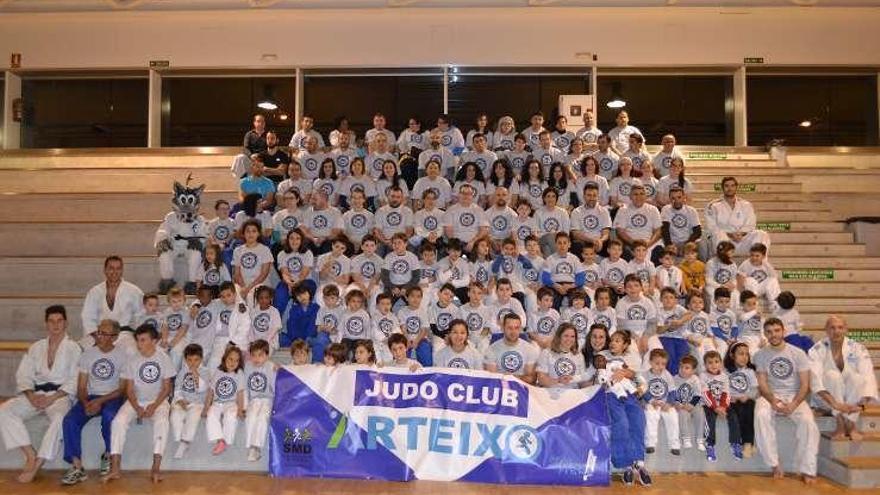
(774, 226)
(808, 274)
(741, 188)
(864, 334)
(706, 155)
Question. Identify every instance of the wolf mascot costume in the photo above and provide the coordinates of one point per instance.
(182, 233)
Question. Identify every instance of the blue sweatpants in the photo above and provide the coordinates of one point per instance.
(423, 353)
(627, 430)
(677, 349)
(76, 420)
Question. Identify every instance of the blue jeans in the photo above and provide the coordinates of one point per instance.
(627, 430)
(76, 420)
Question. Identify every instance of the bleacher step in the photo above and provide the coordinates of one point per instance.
(811, 237)
(869, 446)
(852, 472)
(122, 180)
(75, 275)
(831, 250)
(853, 263)
(97, 208)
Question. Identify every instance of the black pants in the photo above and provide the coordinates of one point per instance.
(733, 427)
(742, 414)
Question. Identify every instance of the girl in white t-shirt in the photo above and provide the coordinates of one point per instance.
(251, 261)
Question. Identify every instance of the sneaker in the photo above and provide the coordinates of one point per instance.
(649, 450)
(737, 450)
(687, 444)
(254, 454)
(628, 476)
(181, 450)
(710, 453)
(105, 464)
(219, 448)
(701, 445)
(74, 476)
(675, 451)
(748, 450)
(642, 475)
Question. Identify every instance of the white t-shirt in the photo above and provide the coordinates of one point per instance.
(322, 222)
(148, 373)
(400, 267)
(465, 221)
(251, 260)
(468, 359)
(591, 221)
(681, 222)
(635, 316)
(358, 223)
(355, 325)
(310, 163)
(638, 223)
(226, 385)
(392, 220)
(295, 262)
(103, 368)
(552, 221)
(512, 359)
(559, 364)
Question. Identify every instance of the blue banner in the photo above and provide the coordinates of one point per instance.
(359, 422)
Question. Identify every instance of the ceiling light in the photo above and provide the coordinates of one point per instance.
(616, 100)
(806, 123)
(267, 105)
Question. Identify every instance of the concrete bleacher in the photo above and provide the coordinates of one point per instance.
(63, 212)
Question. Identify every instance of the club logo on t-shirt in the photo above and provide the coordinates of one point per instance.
(679, 221)
(443, 321)
(511, 361)
(294, 264)
(358, 221)
(149, 372)
(103, 369)
(467, 219)
(564, 268)
(531, 275)
(615, 275)
(481, 162)
(781, 368)
(189, 382)
(562, 141)
(603, 320)
(385, 326)
(212, 277)
(523, 232)
(637, 162)
(723, 275)
(221, 233)
(311, 164)
(739, 382)
(564, 367)
(355, 325)
(638, 220)
(551, 225)
(446, 140)
(535, 190)
(591, 276)
(725, 323)
(400, 266)
(624, 188)
(289, 223)
(591, 222)
(249, 260)
(636, 312)
(716, 388)
(204, 318)
(474, 322)
(482, 275)
(606, 164)
(518, 162)
(368, 270)
(336, 267)
(320, 222)
(342, 161)
(225, 388)
(261, 322)
(658, 388)
(546, 159)
(650, 190)
(415, 137)
(394, 218)
(507, 265)
(430, 223)
(685, 393)
(499, 223)
(174, 322)
(545, 325)
(224, 316)
(759, 275)
(330, 320)
(580, 322)
(413, 324)
(257, 382)
(698, 326)
(457, 363)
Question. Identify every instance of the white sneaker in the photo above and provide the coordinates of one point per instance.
(687, 444)
(701, 445)
(254, 454)
(181, 450)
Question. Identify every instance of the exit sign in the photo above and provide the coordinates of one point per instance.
(753, 60)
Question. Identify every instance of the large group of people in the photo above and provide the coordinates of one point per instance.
(566, 259)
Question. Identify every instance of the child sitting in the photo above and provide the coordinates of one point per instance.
(190, 387)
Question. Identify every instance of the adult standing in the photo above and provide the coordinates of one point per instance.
(254, 142)
(45, 381)
(113, 299)
(783, 384)
(843, 377)
(733, 219)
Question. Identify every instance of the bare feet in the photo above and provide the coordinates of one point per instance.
(778, 473)
(855, 435)
(155, 476)
(111, 476)
(808, 479)
(30, 470)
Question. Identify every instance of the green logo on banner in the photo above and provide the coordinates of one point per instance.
(808, 274)
(338, 433)
(741, 188)
(775, 226)
(864, 334)
(706, 155)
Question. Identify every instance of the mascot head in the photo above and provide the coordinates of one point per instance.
(187, 200)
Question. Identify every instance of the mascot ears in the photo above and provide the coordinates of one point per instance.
(181, 189)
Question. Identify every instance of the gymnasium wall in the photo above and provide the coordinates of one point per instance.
(418, 37)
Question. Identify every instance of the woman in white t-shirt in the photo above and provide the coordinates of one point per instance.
(561, 365)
